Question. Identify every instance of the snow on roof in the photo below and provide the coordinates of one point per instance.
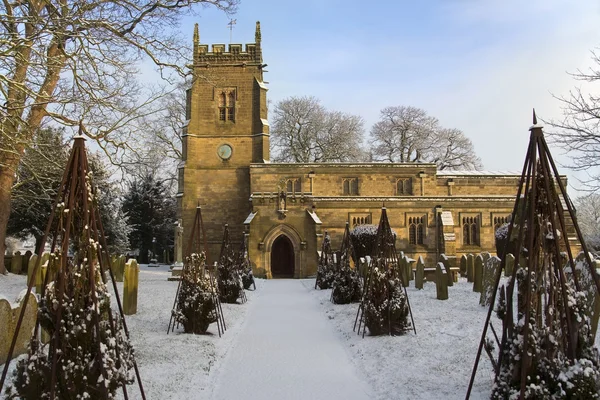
(264, 121)
(250, 217)
(262, 85)
(478, 173)
(314, 216)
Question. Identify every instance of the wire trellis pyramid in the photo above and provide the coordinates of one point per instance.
(547, 323)
(77, 228)
(197, 244)
(385, 258)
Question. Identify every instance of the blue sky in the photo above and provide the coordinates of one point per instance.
(476, 65)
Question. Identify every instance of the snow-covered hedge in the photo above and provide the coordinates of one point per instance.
(364, 238)
(347, 286)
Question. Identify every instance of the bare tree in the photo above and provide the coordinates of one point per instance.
(579, 131)
(303, 130)
(588, 217)
(73, 61)
(408, 134)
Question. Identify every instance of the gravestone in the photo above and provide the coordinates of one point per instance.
(25, 264)
(420, 273)
(410, 266)
(444, 260)
(441, 282)
(15, 263)
(509, 264)
(486, 256)
(404, 273)
(478, 274)
(130, 287)
(41, 272)
(489, 280)
(30, 268)
(463, 265)
(470, 267)
(120, 270)
(8, 322)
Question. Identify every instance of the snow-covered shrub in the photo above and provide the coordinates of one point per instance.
(347, 286)
(326, 273)
(246, 275)
(228, 278)
(385, 304)
(551, 375)
(326, 270)
(89, 365)
(196, 301)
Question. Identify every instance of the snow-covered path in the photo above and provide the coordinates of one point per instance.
(288, 350)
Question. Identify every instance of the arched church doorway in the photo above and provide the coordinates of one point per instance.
(282, 258)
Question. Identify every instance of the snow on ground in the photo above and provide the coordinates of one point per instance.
(288, 350)
(435, 363)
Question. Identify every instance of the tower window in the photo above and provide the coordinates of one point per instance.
(227, 105)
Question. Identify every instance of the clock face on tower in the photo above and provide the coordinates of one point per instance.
(224, 151)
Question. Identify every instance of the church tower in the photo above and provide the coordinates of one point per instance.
(226, 131)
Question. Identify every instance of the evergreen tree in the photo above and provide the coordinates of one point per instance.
(35, 189)
(151, 214)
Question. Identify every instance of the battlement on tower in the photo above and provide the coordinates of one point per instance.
(221, 54)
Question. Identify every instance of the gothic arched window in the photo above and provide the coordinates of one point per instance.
(416, 230)
(470, 231)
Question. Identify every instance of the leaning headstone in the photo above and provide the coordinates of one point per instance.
(509, 264)
(478, 274)
(441, 282)
(420, 273)
(15, 263)
(470, 267)
(130, 287)
(25, 262)
(489, 280)
(444, 259)
(8, 322)
(463, 265)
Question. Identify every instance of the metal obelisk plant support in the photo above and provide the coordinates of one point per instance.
(77, 227)
(347, 253)
(197, 241)
(545, 297)
(386, 257)
(325, 260)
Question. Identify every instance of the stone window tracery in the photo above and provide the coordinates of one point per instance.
(416, 230)
(227, 99)
(293, 185)
(499, 221)
(359, 219)
(470, 231)
(350, 186)
(404, 186)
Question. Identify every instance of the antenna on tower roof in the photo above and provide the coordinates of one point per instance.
(231, 23)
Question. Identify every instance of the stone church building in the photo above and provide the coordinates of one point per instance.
(283, 210)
